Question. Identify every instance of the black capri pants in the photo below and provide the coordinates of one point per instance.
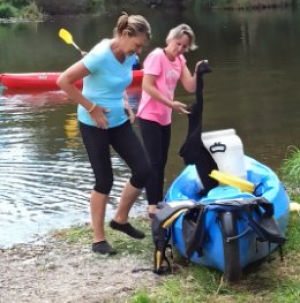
(126, 143)
(156, 140)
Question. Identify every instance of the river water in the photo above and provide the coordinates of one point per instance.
(45, 178)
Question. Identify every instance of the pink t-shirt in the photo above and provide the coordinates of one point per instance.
(168, 73)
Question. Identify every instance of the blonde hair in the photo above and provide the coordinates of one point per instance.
(134, 25)
(180, 30)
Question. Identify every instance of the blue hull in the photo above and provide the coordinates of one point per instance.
(187, 185)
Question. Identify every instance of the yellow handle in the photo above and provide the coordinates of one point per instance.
(229, 179)
(68, 38)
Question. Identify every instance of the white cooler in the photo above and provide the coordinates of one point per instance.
(226, 148)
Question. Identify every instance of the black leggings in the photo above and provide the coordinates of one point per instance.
(125, 142)
(156, 141)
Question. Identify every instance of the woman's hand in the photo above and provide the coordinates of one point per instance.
(205, 67)
(83, 53)
(197, 65)
(180, 107)
(98, 115)
(130, 114)
(128, 109)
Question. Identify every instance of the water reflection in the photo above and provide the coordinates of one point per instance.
(45, 178)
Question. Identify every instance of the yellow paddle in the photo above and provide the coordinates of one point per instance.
(67, 37)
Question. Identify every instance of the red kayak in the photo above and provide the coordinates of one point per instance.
(47, 80)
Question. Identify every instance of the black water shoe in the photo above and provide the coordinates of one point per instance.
(103, 248)
(128, 229)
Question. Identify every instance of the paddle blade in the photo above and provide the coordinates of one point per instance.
(66, 36)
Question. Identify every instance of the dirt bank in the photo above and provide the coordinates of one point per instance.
(55, 271)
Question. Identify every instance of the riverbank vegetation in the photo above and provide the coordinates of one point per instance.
(248, 4)
(20, 9)
(38, 9)
(290, 172)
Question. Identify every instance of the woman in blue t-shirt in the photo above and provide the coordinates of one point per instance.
(107, 71)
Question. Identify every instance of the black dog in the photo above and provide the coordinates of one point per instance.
(193, 150)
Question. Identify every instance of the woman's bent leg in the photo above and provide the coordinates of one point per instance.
(120, 221)
(128, 197)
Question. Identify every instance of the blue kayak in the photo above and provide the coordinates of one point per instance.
(229, 244)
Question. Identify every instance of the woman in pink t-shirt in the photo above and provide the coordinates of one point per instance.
(163, 68)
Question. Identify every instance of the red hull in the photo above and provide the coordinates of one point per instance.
(47, 80)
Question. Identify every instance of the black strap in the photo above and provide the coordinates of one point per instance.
(193, 227)
(265, 226)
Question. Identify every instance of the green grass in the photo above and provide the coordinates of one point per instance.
(124, 244)
(272, 280)
(290, 168)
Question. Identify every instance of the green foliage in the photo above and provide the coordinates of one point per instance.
(7, 11)
(31, 12)
(25, 9)
(293, 234)
(98, 2)
(19, 3)
(246, 3)
(141, 297)
(290, 168)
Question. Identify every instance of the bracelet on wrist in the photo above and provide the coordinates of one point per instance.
(92, 108)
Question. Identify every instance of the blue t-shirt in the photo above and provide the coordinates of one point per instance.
(106, 83)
